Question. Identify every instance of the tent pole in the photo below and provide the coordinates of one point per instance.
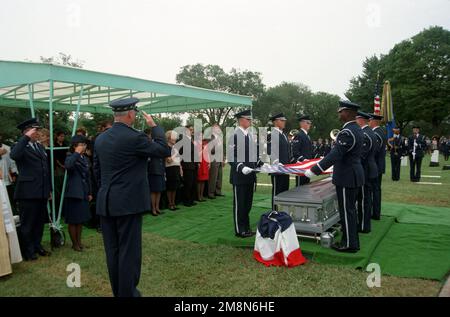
(52, 163)
(74, 129)
(30, 98)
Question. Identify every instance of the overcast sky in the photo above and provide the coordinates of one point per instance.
(320, 43)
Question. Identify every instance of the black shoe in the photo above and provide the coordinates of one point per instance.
(340, 248)
(212, 197)
(375, 218)
(220, 195)
(43, 252)
(247, 234)
(154, 214)
(364, 231)
(194, 204)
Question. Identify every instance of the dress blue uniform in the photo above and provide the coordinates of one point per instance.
(279, 149)
(302, 149)
(396, 150)
(242, 152)
(120, 164)
(32, 190)
(416, 145)
(76, 198)
(380, 159)
(348, 176)
(369, 165)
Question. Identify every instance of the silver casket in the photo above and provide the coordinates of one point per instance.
(313, 207)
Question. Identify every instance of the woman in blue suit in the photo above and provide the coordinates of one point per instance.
(78, 191)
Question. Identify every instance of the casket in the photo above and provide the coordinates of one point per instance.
(313, 207)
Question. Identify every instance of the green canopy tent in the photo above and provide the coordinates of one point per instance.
(60, 88)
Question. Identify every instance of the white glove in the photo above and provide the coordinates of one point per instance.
(310, 174)
(246, 170)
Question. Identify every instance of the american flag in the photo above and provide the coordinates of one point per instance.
(377, 104)
(297, 169)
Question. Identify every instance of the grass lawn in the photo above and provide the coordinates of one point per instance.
(179, 268)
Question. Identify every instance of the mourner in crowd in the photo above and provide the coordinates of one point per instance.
(380, 159)
(174, 172)
(243, 158)
(368, 152)
(216, 163)
(189, 163)
(78, 190)
(33, 189)
(446, 148)
(302, 148)
(59, 156)
(156, 179)
(280, 153)
(348, 174)
(417, 147)
(120, 162)
(203, 167)
(9, 172)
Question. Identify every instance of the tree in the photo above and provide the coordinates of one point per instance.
(214, 77)
(418, 70)
(293, 99)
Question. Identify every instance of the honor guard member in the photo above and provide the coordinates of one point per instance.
(396, 148)
(369, 149)
(417, 146)
(348, 174)
(33, 189)
(120, 164)
(278, 148)
(242, 156)
(380, 159)
(302, 148)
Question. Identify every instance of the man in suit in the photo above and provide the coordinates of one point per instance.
(189, 163)
(396, 149)
(370, 167)
(417, 146)
(302, 147)
(243, 158)
(120, 163)
(348, 174)
(279, 149)
(32, 189)
(380, 159)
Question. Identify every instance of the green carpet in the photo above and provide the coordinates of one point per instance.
(415, 250)
(409, 241)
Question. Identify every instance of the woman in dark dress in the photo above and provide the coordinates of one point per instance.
(156, 179)
(78, 190)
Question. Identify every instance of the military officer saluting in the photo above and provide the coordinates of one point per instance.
(33, 189)
(380, 159)
(369, 149)
(279, 149)
(348, 174)
(302, 148)
(243, 158)
(120, 163)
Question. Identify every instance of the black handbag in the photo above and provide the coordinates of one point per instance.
(57, 237)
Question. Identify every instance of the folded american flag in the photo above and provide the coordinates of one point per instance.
(297, 168)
